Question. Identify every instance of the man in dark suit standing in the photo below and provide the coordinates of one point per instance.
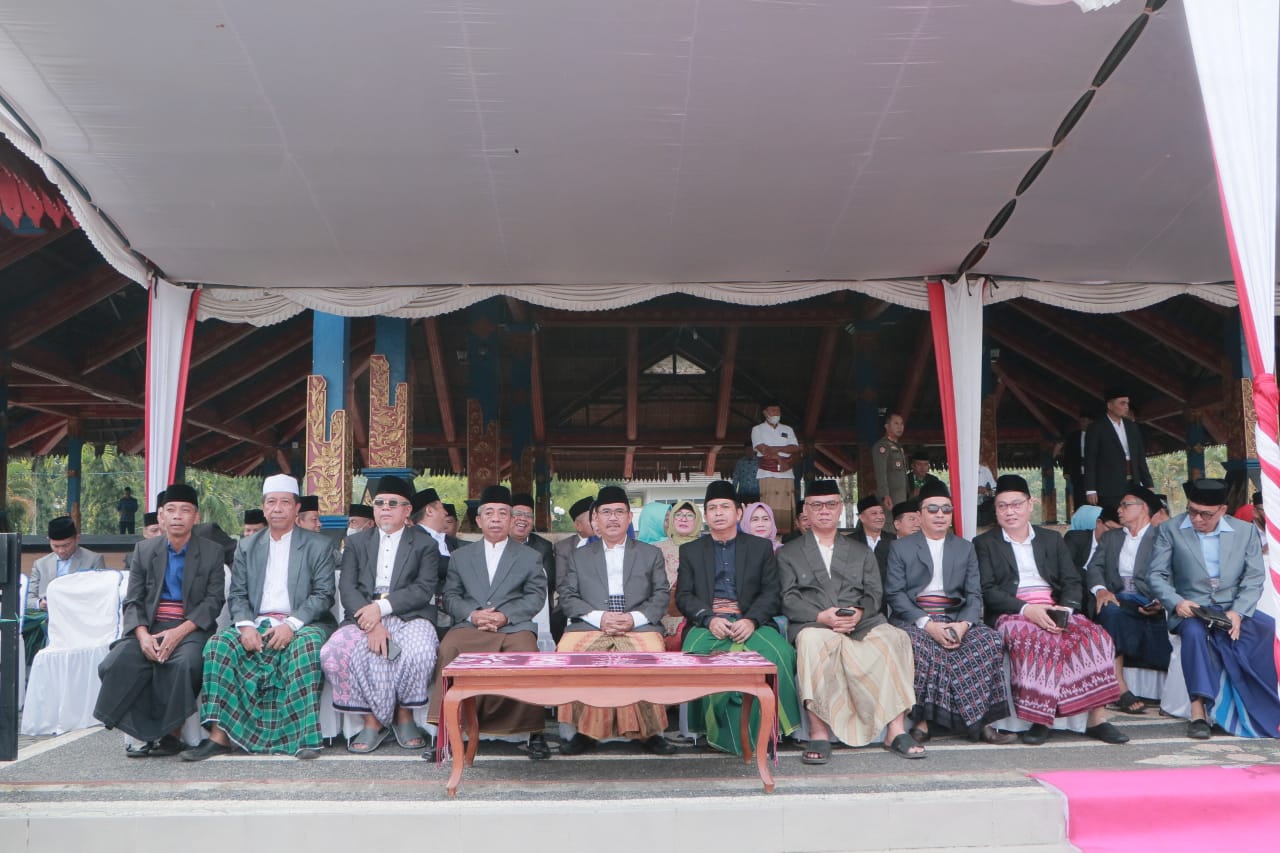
(1073, 459)
(1060, 663)
(1125, 606)
(281, 602)
(381, 659)
(151, 676)
(935, 595)
(615, 594)
(1113, 453)
(522, 511)
(494, 589)
(728, 590)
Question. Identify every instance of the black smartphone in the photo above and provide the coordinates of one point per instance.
(393, 649)
(951, 634)
(1059, 618)
(844, 611)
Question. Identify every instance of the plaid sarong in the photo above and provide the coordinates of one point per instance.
(268, 701)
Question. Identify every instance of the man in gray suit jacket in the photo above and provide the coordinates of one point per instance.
(151, 677)
(262, 676)
(854, 670)
(494, 589)
(1207, 566)
(1125, 606)
(934, 592)
(65, 558)
(614, 594)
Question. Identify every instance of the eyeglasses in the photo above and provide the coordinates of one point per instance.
(1015, 505)
(379, 502)
(1133, 503)
(831, 505)
(521, 513)
(617, 512)
(934, 509)
(1204, 514)
(684, 516)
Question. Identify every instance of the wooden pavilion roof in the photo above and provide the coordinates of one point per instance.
(602, 403)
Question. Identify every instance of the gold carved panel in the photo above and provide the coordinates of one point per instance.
(388, 424)
(328, 459)
(483, 466)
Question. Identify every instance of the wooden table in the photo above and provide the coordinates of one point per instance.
(607, 680)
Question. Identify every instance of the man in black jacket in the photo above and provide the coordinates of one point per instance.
(1060, 663)
(1113, 453)
(522, 532)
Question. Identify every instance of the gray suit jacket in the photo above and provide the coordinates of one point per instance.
(1178, 570)
(518, 591)
(203, 583)
(585, 585)
(1104, 568)
(45, 569)
(911, 570)
(413, 574)
(311, 572)
(563, 548)
(807, 589)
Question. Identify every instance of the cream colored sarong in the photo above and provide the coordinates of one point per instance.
(856, 687)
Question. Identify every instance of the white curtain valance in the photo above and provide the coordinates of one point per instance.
(265, 307)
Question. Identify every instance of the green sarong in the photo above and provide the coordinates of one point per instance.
(268, 701)
(720, 715)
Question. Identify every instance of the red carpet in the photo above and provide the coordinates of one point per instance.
(1194, 808)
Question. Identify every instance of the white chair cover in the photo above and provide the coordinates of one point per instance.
(1174, 700)
(1145, 683)
(84, 618)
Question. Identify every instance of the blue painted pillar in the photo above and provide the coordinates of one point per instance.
(328, 450)
(75, 459)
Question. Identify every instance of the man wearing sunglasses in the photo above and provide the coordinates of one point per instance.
(934, 592)
(1206, 565)
(1060, 663)
(381, 659)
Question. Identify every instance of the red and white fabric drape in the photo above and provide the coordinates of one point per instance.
(1237, 52)
(955, 313)
(171, 320)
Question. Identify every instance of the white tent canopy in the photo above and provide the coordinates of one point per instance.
(601, 151)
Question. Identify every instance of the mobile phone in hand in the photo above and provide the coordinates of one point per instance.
(951, 634)
(393, 649)
(844, 611)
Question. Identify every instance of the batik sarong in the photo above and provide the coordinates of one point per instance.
(637, 722)
(365, 683)
(1142, 640)
(268, 701)
(961, 688)
(498, 715)
(856, 687)
(1058, 675)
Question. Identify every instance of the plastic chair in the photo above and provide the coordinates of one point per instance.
(84, 619)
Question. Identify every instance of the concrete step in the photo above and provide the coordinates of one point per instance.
(1028, 818)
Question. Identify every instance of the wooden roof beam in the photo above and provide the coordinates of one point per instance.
(215, 379)
(703, 316)
(34, 427)
(1153, 323)
(724, 395)
(837, 456)
(1089, 339)
(629, 464)
(118, 344)
(1032, 350)
(633, 382)
(1025, 399)
(440, 383)
(47, 442)
(537, 404)
(14, 248)
(709, 466)
(820, 377)
(61, 302)
(921, 360)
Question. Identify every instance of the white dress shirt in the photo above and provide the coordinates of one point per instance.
(387, 545)
(492, 555)
(936, 583)
(613, 564)
(1120, 431)
(1128, 557)
(1025, 555)
(440, 541)
(275, 585)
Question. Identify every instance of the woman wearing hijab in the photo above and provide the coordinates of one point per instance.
(683, 524)
(652, 522)
(757, 519)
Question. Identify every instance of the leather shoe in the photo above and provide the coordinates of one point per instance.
(207, 749)
(1199, 730)
(537, 748)
(657, 745)
(1107, 733)
(1036, 735)
(307, 754)
(141, 750)
(577, 745)
(990, 734)
(168, 745)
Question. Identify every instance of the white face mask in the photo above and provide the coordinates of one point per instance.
(772, 420)
(351, 531)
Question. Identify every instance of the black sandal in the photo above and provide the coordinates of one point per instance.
(1125, 704)
(902, 744)
(816, 752)
(920, 735)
